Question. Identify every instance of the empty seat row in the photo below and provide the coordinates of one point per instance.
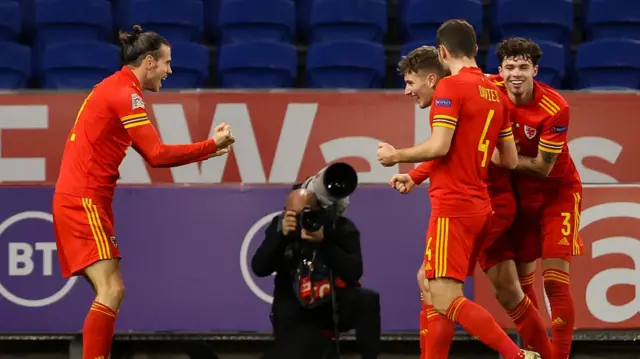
(341, 64)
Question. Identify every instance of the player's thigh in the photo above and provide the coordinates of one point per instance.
(525, 235)
(561, 225)
(496, 245)
(451, 242)
(84, 233)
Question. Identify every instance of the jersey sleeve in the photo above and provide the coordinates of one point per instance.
(506, 132)
(130, 110)
(445, 107)
(554, 132)
(421, 173)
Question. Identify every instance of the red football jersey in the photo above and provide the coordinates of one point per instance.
(472, 105)
(542, 125)
(112, 118)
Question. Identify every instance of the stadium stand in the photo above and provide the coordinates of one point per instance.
(266, 20)
(10, 21)
(345, 64)
(302, 25)
(15, 65)
(189, 64)
(332, 20)
(77, 64)
(611, 19)
(422, 18)
(239, 67)
(608, 64)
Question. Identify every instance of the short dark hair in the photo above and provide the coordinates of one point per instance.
(458, 37)
(515, 47)
(422, 58)
(137, 45)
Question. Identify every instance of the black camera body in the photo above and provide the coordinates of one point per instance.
(311, 220)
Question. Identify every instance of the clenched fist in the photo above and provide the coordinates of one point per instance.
(222, 136)
(402, 183)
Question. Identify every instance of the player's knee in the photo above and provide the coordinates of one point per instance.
(112, 289)
(509, 294)
(443, 292)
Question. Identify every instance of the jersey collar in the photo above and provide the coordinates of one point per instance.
(471, 70)
(126, 71)
(538, 91)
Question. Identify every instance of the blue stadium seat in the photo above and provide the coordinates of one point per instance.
(303, 14)
(552, 66)
(10, 20)
(408, 47)
(190, 66)
(262, 64)
(423, 17)
(611, 19)
(345, 64)
(550, 20)
(78, 65)
(257, 20)
(608, 63)
(15, 65)
(72, 20)
(175, 20)
(211, 10)
(332, 20)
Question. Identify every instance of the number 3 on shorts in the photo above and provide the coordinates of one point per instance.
(483, 145)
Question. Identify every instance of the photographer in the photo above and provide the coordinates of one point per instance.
(308, 249)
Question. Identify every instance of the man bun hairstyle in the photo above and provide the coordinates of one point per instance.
(518, 47)
(137, 45)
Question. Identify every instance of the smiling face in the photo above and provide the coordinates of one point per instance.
(157, 69)
(518, 73)
(421, 86)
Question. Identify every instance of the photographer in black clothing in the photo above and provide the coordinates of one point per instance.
(305, 306)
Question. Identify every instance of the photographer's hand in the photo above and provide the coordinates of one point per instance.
(315, 237)
(288, 222)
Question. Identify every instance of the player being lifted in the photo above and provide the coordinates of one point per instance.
(496, 257)
(112, 118)
(547, 184)
(466, 106)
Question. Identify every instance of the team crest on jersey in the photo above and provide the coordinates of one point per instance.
(530, 132)
(136, 101)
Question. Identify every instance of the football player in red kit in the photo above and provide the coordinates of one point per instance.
(496, 257)
(112, 118)
(468, 106)
(547, 183)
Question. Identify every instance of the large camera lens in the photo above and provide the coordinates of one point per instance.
(311, 220)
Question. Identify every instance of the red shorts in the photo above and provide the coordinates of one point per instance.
(84, 233)
(496, 246)
(547, 225)
(453, 244)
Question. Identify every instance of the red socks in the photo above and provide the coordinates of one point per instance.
(97, 334)
(558, 289)
(527, 284)
(479, 323)
(441, 331)
(423, 332)
(531, 328)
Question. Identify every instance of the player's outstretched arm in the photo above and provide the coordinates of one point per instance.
(146, 141)
(436, 146)
(421, 173)
(551, 144)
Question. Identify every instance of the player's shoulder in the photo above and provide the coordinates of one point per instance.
(552, 98)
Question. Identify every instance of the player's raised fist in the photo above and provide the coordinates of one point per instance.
(386, 154)
(402, 183)
(222, 136)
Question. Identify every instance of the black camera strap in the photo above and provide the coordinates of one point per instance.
(336, 317)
